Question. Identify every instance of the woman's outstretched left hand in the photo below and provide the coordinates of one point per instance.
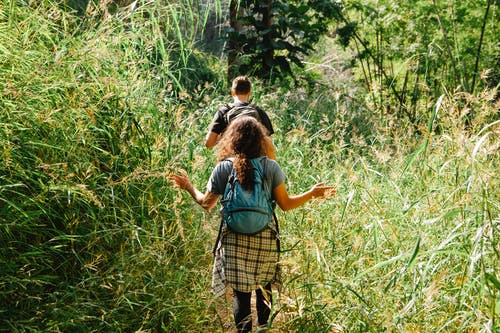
(320, 190)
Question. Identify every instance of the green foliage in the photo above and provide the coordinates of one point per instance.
(410, 52)
(95, 116)
(276, 35)
(82, 179)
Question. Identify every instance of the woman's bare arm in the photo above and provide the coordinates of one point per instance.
(206, 200)
(287, 202)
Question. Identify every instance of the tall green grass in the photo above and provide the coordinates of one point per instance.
(410, 243)
(89, 239)
(94, 115)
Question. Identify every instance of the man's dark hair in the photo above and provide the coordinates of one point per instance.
(242, 85)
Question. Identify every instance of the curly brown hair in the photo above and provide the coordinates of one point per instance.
(243, 140)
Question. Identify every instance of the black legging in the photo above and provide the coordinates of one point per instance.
(242, 308)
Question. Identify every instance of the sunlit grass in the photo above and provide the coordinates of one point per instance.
(95, 240)
(404, 246)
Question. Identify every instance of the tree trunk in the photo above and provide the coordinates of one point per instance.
(267, 20)
(233, 59)
(480, 44)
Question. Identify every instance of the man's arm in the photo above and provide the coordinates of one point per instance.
(269, 147)
(211, 139)
(217, 126)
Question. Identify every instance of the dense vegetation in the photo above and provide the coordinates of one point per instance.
(96, 108)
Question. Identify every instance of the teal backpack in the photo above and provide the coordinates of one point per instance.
(246, 212)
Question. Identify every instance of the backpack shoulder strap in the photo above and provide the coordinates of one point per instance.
(232, 174)
(231, 182)
(259, 110)
(278, 241)
(263, 161)
(224, 109)
(261, 167)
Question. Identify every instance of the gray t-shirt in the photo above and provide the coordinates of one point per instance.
(274, 176)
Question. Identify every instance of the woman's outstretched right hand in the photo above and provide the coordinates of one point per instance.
(180, 181)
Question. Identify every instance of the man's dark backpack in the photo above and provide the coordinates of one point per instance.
(238, 110)
(246, 212)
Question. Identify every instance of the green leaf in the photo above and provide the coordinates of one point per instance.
(493, 280)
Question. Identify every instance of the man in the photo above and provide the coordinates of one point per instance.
(241, 90)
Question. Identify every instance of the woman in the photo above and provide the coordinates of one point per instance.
(247, 263)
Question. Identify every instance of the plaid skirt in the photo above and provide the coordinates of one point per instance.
(245, 262)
